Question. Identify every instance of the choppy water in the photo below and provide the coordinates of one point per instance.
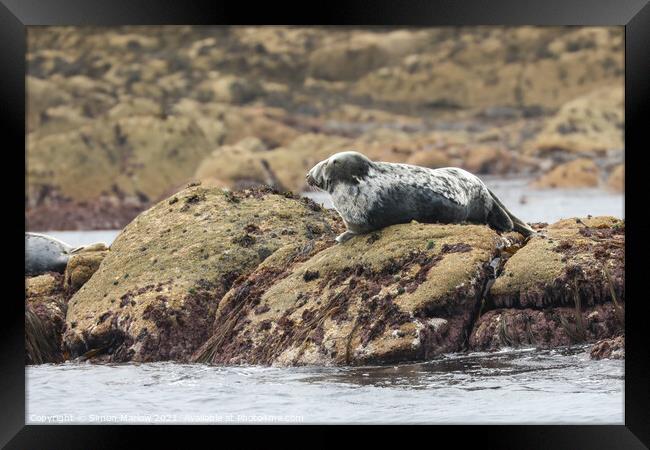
(522, 386)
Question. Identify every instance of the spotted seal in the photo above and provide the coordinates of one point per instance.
(370, 195)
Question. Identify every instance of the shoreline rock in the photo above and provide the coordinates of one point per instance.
(405, 293)
(154, 296)
(613, 348)
(255, 277)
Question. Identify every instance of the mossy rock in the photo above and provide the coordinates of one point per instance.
(82, 265)
(579, 173)
(155, 294)
(404, 293)
(135, 156)
(583, 257)
(590, 124)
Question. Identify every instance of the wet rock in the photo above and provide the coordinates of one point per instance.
(543, 328)
(45, 309)
(579, 173)
(613, 348)
(581, 257)
(565, 286)
(391, 299)
(155, 294)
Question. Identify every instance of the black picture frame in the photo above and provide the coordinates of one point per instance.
(634, 15)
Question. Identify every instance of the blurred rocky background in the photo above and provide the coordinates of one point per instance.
(119, 118)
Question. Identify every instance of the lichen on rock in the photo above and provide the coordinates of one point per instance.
(569, 256)
(565, 286)
(155, 295)
(82, 265)
(384, 297)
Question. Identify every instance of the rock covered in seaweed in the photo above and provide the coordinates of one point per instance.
(255, 277)
(155, 295)
(405, 293)
(45, 308)
(572, 255)
(613, 348)
(46, 302)
(565, 286)
(543, 328)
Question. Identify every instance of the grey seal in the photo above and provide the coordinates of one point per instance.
(370, 195)
(47, 254)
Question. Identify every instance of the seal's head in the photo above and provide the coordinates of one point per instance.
(343, 167)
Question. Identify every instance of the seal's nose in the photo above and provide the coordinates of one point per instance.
(310, 180)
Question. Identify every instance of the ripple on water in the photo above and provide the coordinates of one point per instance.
(516, 386)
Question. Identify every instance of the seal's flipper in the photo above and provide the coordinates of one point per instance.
(499, 219)
(346, 236)
(97, 246)
(516, 224)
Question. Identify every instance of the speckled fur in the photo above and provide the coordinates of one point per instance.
(371, 195)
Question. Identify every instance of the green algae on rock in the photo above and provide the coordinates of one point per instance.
(567, 255)
(138, 156)
(565, 286)
(385, 297)
(82, 265)
(155, 295)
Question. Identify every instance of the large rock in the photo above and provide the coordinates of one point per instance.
(590, 124)
(583, 256)
(579, 173)
(405, 293)
(544, 328)
(46, 302)
(476, 69)
(155, 295)
(565, 286)
(138, 156)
